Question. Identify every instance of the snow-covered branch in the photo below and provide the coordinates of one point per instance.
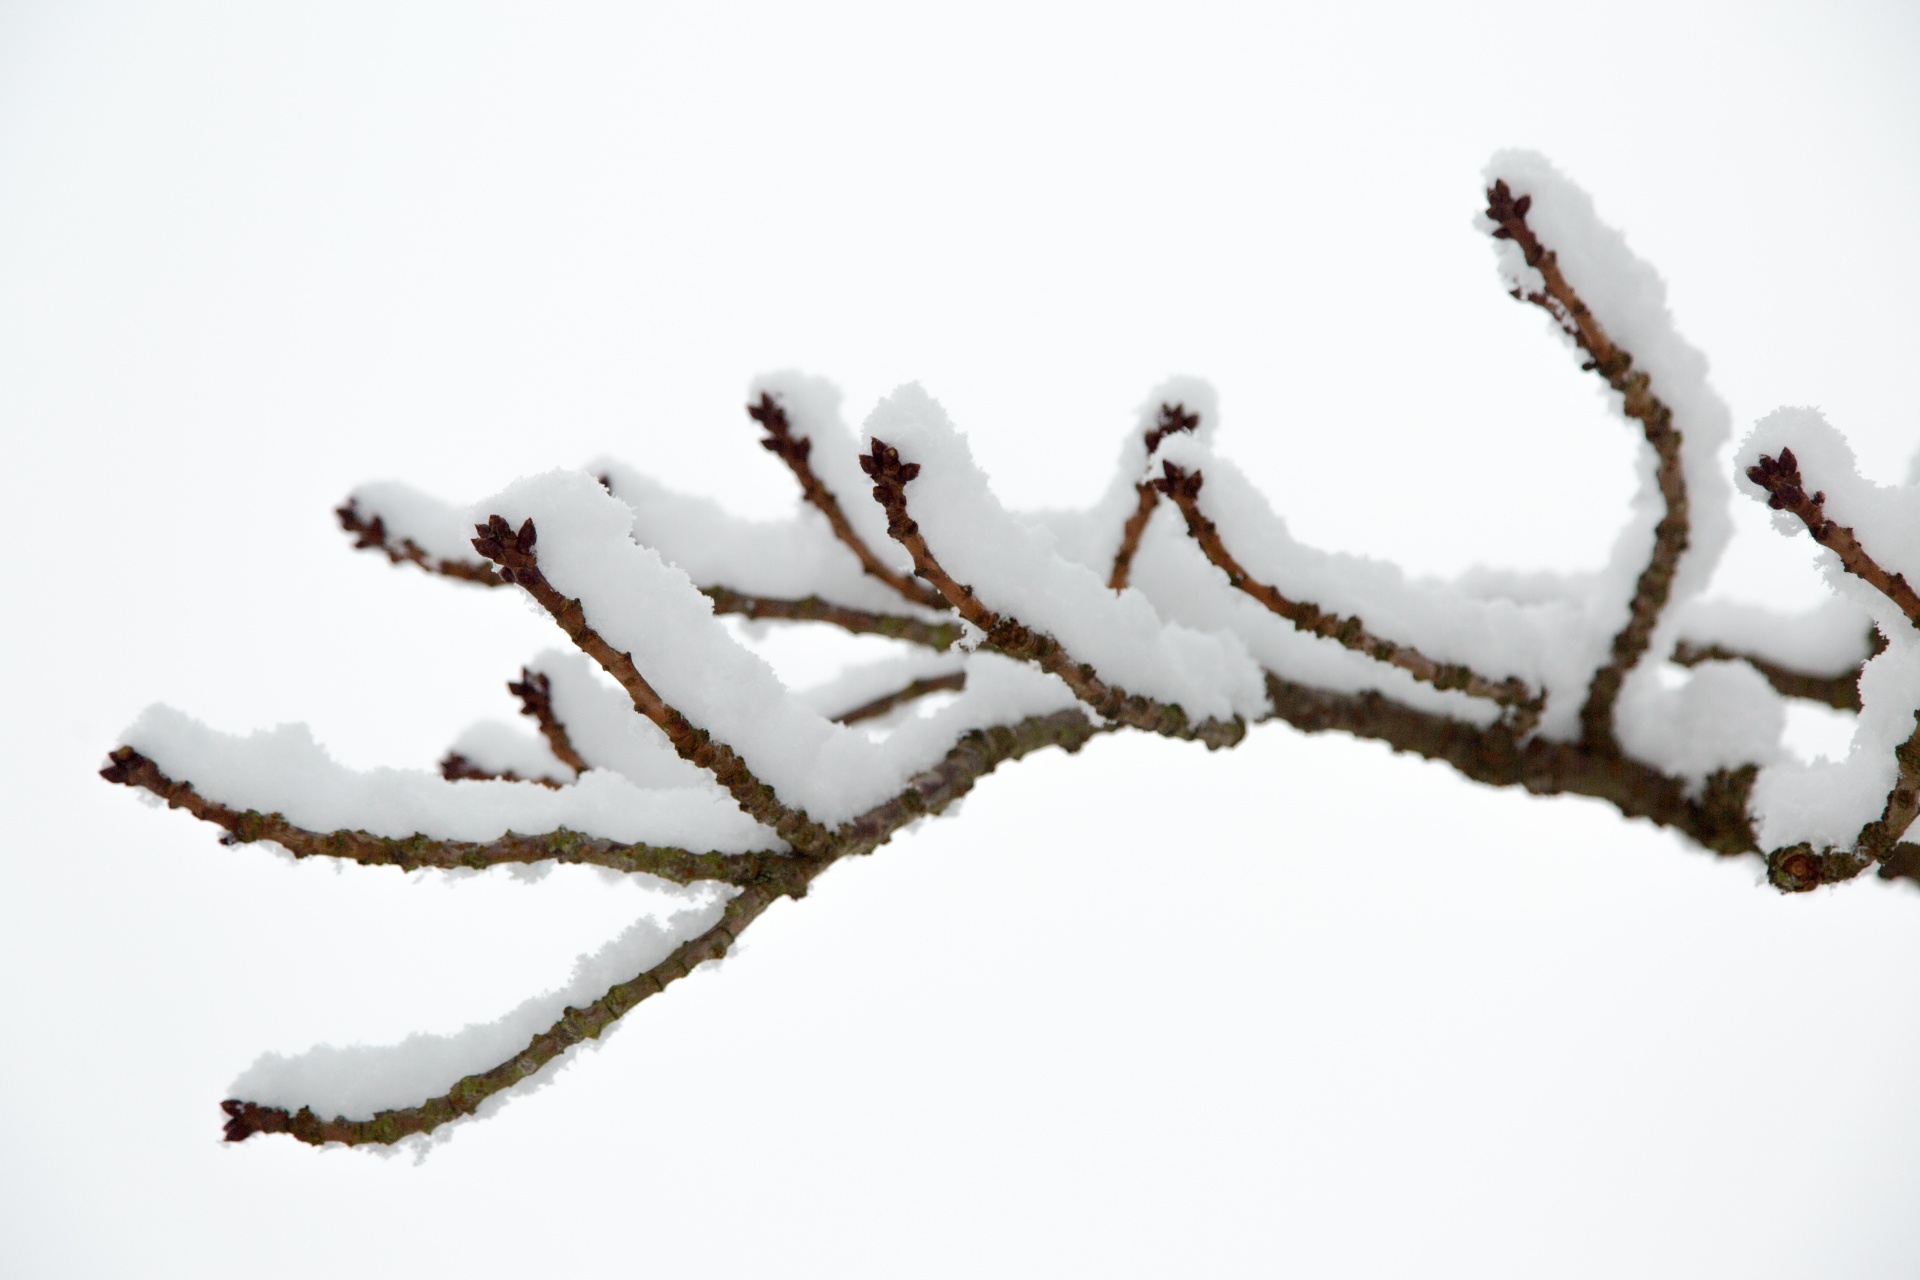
(663, 746)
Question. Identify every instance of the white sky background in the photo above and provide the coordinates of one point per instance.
(1303, 1008)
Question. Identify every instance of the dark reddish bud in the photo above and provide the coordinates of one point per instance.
(1523, 204)
(524, 539)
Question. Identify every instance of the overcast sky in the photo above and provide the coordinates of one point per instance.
(1304, 1008)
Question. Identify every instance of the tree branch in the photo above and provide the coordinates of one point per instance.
(1611, 362)
(953, 681)
(860, 622)
(1521, 704)
(1780, 477)
(455, 767)
(794, 450)
(1841, 692)
(1006, 634)
(372, 535)
(535, 692)
(1174, 419)
(418, 852)
(513, 551)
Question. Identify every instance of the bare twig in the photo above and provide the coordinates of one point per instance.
(1780, 477)
(535, 692)
(1007, 635)
(513, 550)
(860, 622)
(413, 853)
(1841, 692)
(372, 535)
(1174, 419)
(1614, 364)
(1522, 704)
(953, 681)
(794, 450)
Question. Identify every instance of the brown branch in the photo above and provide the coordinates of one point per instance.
(1006, 635)
(535, 692)
(974, 756)
(1841, 692)
(513, 551)
(416, 852)
(1780, 477)
(953, 681)
(794, 450)
(1613, 363)
(1522, 705)
(372, 535)
(934, 635)
(1174, 419)
(455, 767)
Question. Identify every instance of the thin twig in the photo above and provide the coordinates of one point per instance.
(1613, 363)
(535, 692)
(1780, 477)
(794, 450)
(953, 681)
(455, 767)
(1174, 419)
(1522, 704)
(372, 535)
(1841, 692)
(895, 626)
(1005, 634)
(513, 551)
(416, 852)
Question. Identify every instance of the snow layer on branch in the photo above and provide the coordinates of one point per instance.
(1628, 299)
(1827, 802)
(284, 771)
(356, 1081)
(497, 747)
(605, 729)
(1015, 567)
(651, 610)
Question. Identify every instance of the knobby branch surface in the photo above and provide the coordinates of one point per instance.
(1786, 491)
(794, 451)
(974, 756)
(513, 551)
(1521, 704)
(1174, 419)
(1840, 691)
(417, 852)
(1007, 635)
(1611, 362)
(535, 692)
(372, 535)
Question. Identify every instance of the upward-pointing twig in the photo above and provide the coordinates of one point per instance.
(794, 451)
(1614, 364)
(535, 692)
(1174, 418)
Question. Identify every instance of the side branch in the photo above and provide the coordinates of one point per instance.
(372, 535)
(1614, 364)
(244, 1119)
(894, 626)
(455, 767)
(535, 692)
(513, 551)
(951, 682)
(1841, 692)
(1174, 419)
(1521, 704)
(1007, 635)
(1780, 477)
(794, 451)
(416, 852)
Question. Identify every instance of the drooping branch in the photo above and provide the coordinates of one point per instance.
(974, 756)
(859, 622)
(513, 551)
(794, 451)
(1786, 491)
(1007, 635)
(1521, 704)
(1615, 364)
(952, 682)
(417, 852)
(1174, 419)
(372, 535)
(535, 692)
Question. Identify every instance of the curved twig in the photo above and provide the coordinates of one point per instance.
(1841, 692)
(1615, 364)
(1007, 635)
(535, 692)
(1174, 419)
(372, 535)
